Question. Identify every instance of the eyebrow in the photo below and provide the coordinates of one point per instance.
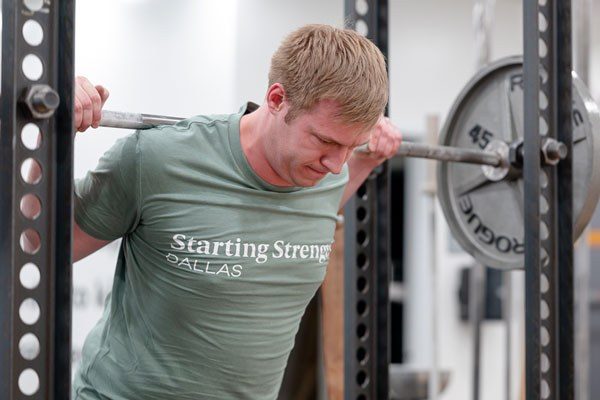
(325, 137)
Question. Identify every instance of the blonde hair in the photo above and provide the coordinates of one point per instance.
(321, 62)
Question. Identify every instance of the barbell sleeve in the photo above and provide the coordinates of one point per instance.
(126, 120)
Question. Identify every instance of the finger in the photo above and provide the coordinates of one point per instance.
(374, 142)
(396, 130)
(96, 101)
(385, 143)
(397, 133)
(78, 112)
(394, 134)
(81, 124)
(397, 141)
(83, 86)
(86, 106)
(104, 93)
(391, 149)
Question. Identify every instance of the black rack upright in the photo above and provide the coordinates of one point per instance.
(35, 350)
(367, 266)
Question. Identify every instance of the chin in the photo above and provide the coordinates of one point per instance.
(304, 181)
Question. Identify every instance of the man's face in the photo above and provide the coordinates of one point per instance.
(313, 144)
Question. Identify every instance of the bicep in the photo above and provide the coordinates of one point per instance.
(107, 198)
(84, 244)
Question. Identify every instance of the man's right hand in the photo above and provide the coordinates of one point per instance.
(89, 100)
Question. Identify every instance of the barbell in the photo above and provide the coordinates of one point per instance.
(127, 120)
(480, 184)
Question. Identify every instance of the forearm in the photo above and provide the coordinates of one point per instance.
(359, 168)
(383, 144)
(332, 318)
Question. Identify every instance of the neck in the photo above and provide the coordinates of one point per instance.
(254, 130)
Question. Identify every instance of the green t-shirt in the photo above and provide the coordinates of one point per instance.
(215, 268)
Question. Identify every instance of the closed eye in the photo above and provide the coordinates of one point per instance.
(324, 141)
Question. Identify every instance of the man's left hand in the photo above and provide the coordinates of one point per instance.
(384, 142)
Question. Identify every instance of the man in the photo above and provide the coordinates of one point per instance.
(227, 224)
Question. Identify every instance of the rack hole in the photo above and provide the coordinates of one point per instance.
(544, 310)
(31, 207)
(362, 192)
(543, 179)
(542, 49)
(361, 331)
(31, 136)
(543, 126)
(544, 207)
(542, 22)
(362, 261)
(30, 241)
(544, 257)
(545, 363)
(32, 67)
(544, 233)
(361, 284)
(543, 75)
(31, 171)
(361, 355)
(361, 27)
(29, 346)
(34, 5)
(362, 7)
(29, 311)
(361, 214)
(545, 392)
(544, 284)
(29, 382)
(361, 308)
(543, 100)
(544, 336)
(361, 237)
(30, 276)
(362, 379)
(33, 33)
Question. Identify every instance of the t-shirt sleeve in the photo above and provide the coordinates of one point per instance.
(107, 198)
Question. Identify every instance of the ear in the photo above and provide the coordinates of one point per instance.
(276, 98)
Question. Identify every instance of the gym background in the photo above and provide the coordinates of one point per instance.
(187, 57)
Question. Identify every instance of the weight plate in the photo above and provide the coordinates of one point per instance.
(485, 215)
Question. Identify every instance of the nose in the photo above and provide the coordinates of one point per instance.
(335, 158)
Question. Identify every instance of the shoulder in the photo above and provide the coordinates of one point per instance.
(193, 132)
(199, 123)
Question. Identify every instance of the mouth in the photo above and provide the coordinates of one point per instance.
(315, 172)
